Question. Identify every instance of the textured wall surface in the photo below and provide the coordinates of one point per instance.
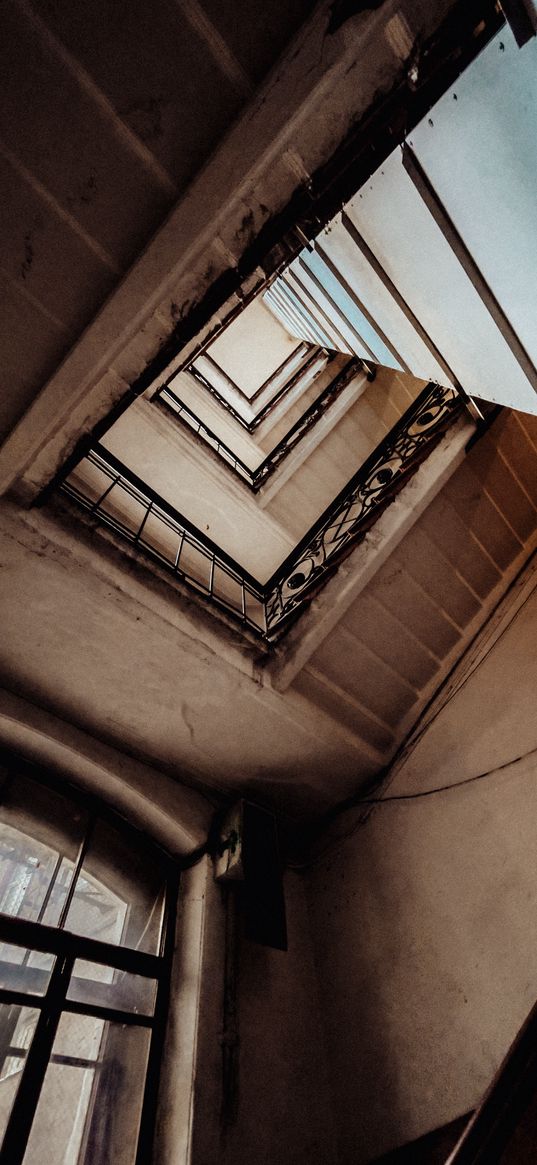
(284, 1110)
(425, 916)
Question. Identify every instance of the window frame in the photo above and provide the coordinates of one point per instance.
(66, 947)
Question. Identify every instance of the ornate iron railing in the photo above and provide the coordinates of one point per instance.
(358, 505)
(122, 501)
(256, 478)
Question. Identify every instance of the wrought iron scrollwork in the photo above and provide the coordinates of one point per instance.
(117, 498)
(351, 512)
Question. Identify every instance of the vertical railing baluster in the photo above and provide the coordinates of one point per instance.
(178, 555)
(97, 505)
(265, 619)
(289, 589)
(143, 522)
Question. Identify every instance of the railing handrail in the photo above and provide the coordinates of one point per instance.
(201, 424)
(177, 516)
(302, 345)
(283, 569)
(251, 426)
(258, 476)
(361, 474)
(318, 553)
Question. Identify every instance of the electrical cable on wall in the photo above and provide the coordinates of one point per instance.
(334, 846)
(416, 734)
(407, 749)
(454, 784)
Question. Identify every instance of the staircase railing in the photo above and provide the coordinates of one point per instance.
(256, 478)
(108, 489)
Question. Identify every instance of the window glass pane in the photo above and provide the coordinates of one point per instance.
(108, 987)
(24, 970)
(17, 1026)
(91, 1100)
(494, 116)
(119, 893)
(40, 834)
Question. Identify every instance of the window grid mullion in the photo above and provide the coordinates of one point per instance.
(66, 946)
(33, 1074)
(83, 849)
(146, 1134)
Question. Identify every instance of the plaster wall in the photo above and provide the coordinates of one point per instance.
(175, 816)
(269, 1016)
(284, 1112)
(163, 454)
(327, 82)
(100, 643)
(425, 910)
(253, 347)
(199, 489)
(244, 1072)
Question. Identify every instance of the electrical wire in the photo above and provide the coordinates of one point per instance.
(333, 846)
(416, 735)
(409, 745)
(445, 788)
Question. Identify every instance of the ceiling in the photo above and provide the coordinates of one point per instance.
(107, 120)
(150, 167)
(107, 113)
(100, 642)
(377, 670)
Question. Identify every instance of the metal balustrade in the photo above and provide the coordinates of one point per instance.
(256, 478)
(311, 366)
(287, 373)
(185, 414)
(115, 496)
(359, 503)
(121, 500)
